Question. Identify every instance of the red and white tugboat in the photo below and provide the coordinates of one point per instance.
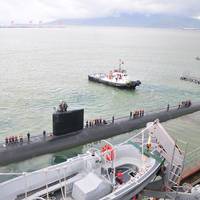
(117, 78)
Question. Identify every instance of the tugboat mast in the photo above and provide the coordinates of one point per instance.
(120, 64)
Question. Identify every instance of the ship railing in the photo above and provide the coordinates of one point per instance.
(146, 113)
(51, 173)
(53, 168)
(33, 139)
(45, 171)
(149, 112)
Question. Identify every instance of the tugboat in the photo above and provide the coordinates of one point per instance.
(113, 172)
(116, 78)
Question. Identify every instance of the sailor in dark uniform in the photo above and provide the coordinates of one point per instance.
(113, 119)
(65, 106)
(28, 136)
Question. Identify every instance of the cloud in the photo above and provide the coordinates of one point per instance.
(22, 11)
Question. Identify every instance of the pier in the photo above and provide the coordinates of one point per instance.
(190, 79)
(40, 145)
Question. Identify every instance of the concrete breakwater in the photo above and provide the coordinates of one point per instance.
(40, 145)
(191, 79)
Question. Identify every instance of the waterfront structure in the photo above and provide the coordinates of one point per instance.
(190, 79)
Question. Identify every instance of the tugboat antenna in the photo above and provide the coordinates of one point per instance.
(121, 62)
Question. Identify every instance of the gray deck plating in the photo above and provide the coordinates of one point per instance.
(40, 146)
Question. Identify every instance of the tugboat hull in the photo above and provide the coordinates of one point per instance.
(130, 85)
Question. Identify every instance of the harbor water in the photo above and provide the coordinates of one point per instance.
(40, 67)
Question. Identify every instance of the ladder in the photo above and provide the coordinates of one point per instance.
(175, 170)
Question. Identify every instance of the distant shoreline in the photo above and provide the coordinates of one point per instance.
(87, 25)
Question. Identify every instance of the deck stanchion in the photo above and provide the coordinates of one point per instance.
(26, 191)
(60, 178)
(65, 184)
(45, 171)
(142, 147)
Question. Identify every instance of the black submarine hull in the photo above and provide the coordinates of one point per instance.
(130, 85)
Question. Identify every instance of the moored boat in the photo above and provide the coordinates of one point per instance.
(111, 173)
(117, 78)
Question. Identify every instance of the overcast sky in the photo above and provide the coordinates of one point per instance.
(23, 11)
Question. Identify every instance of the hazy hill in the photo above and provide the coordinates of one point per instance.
(138, 20)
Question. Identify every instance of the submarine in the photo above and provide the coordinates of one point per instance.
(69, 131)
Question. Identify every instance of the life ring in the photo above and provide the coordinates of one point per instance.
(109, 152)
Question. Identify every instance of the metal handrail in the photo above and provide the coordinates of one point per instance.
(146, 113)
(11, 174)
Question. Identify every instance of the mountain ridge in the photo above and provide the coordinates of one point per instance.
(136, 20)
